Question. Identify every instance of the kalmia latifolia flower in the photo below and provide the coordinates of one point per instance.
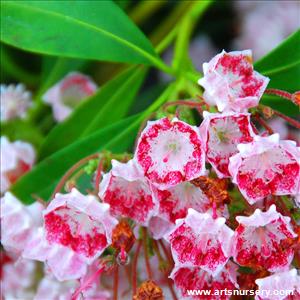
(200, 240)
(18, 222)
(174, 203)
(17, 158)
(77, 229)
(67, 94)
(221, 133)
(231, 83)
(194, 278)
(277, 284)
(263, 240)
(128, 192)
(79, 222)
(15, 101)
(266, 166)
(170, 152)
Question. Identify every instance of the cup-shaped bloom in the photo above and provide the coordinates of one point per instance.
(221, 133)
(265, 167)
(65, 95)
(170, 152)
(18, 222)
(79, 222)
(194, 278)
(264, 239)
(128, 192)
(15, 101)
(280, 286)
(231, 83)
(202, 241)
(16, 159)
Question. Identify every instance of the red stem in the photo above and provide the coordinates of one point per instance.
(134, 266)
(288, 119)
(116, 282)
(161, 260)
(280, 93)
(71, 171)
(262, 122)
(146, 254)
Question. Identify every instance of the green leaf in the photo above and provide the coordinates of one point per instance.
(282, 66)
(80, 29)
(42, 179)
(107, 106)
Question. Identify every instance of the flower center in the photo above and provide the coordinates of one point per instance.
(172, 148)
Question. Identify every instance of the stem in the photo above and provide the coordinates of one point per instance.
(143, 10)
(288, 119)
(146, 254)
(134, 267)
(280, 93)
(116, 282)
(71, 171)
(262, 122)
(161, 261)
(98, 176)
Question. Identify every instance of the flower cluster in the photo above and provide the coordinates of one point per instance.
(179, 189)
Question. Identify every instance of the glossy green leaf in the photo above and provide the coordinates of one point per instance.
(80, 29)
(282, 66)
(107, 106)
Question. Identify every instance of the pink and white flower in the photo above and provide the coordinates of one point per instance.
(16, 159)
(170, 152)
(77, 229)
(200, 240)
(284, 285)
(80, 223)
(174, 203)
(221, 133)
(17, 278)
(263, 239)
(15, 101)
(194, 278)
(65, 95)
(231, 83)
(18, 222)
(128, 192)
(265, 167)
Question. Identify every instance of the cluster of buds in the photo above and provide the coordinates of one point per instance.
(177, 188)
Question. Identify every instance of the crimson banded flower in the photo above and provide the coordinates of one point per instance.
(194, 278)
(266, 166)
(128, 192)
(264, 239)
(170, 152)
(231, 83)
(221, 133)
(200, 240)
